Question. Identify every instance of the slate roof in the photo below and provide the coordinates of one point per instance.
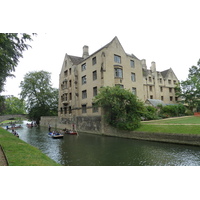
(76, 60)
(164, 73)
(156, 102)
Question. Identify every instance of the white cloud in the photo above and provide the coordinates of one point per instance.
(166, 32)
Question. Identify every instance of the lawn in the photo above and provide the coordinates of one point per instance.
(20, 153)
(177, 120)
(184, 125)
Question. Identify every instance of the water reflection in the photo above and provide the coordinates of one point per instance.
(95, 150)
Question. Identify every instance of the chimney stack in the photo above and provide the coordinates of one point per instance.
(153, 67)
(143, 62)
(85, 52)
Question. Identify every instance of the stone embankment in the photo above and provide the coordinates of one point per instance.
(187, 139)
(98, 127)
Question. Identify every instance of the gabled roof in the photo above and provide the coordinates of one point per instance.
(164, 73)
(155, 102)
(75, 59)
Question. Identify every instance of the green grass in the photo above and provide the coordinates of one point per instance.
(178, 120)
(19, 153)
(186, 125)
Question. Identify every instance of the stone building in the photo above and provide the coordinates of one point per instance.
(81, 77)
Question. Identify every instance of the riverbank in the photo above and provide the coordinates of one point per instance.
(19, 153)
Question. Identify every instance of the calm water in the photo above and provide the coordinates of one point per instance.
(94, 150)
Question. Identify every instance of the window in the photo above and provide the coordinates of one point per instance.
(170, 90)
(70, 71)
(150, 80)
(134, 91)
(84, 109)
(94, 91)
(65, 110)
(161, 89)
(70, 96)
(83, 67)
(132, 63)
(171, 98)
(84, 80)
(84, 94)
(70, 109)
(117, 59)
(64, 97)
(94, 108)
(174, 82)
(169, 81)
(151, 96)
(66, 72)
(160, 80)
(133, 77)
(94, 61)
(70, 83)
(120, 85)
(94, 75)
(64, 84)
(162, 98)
(118, 73)
(150, 88)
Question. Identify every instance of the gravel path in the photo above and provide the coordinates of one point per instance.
(3, 161)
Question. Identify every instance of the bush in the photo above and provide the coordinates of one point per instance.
(123, 110)
(172, 110)
(150, 113)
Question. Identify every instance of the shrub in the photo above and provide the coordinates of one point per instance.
(123, 110)
(150, 113)
(172, 110)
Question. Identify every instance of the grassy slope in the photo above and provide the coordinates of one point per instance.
(186, 125)
(20, 153)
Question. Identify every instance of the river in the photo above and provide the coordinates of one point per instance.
(95, 150)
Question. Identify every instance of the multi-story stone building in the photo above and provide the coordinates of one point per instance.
(81, 77)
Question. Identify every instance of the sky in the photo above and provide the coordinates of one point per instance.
(166, 32)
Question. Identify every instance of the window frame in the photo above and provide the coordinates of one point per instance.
(94, 75)
(84, 94)
(116, 72)
(134, 90)
(133, 77)
(84, 108)
(95, 91)
(94, 60)
(117, 59)
(84, 79)
(132, 63)
(83, 67)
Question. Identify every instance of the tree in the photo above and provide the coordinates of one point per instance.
(2, 105)
(12, 46)
(41, 98)
(122, 108)
(14, 105)
(189, 90)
